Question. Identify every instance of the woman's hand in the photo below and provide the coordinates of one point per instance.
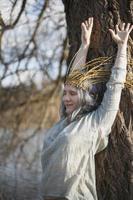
(86, 32)
(122, 33)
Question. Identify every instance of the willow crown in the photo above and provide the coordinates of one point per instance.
(95, 71)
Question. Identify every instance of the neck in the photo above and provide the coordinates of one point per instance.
(69, 118)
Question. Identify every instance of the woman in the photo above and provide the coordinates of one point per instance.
(70, 146)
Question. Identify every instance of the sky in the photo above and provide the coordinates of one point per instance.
(48, 39)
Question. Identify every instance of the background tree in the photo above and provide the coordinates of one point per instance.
(113, 165)
(32, 43)
(32, 60)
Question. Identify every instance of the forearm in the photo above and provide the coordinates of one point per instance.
(118, 74)
(80, 58)
(121, 60)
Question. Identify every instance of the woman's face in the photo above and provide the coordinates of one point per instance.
(70, 99)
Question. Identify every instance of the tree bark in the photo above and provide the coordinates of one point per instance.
(114, 164)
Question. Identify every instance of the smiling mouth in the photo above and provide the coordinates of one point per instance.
(69, 105)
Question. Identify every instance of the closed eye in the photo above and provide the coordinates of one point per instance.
(92, 94)
(73, 93)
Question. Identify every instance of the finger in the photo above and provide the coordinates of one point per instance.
(112, 33)
(117, 28)
(130, 29)
(122, 26)
(127, 27)
(91, 20)
(86, 23)
(83, 26)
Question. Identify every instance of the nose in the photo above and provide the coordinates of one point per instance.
(66, 98)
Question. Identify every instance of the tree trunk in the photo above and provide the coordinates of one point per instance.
(114, 164)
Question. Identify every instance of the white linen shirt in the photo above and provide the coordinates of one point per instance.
(68, 156)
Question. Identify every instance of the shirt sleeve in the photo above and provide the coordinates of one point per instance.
(105, 115)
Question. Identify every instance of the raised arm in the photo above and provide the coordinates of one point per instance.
(86, 30)
(105, 115)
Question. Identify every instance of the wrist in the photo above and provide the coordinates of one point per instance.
(122, 49)
(85, 46)
(122, 45)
